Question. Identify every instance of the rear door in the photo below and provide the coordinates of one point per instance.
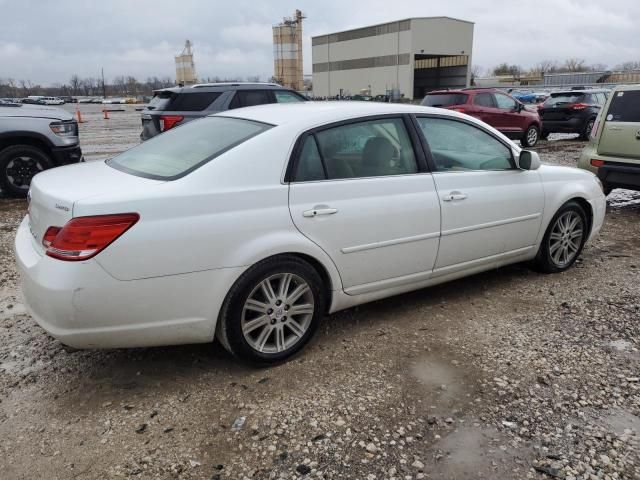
(621, 130)
(484, 107)
(361, 192)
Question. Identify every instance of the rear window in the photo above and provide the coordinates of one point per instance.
(563, 99)
(625, 107)
(181, 150)
(159, 101)
(444, 99)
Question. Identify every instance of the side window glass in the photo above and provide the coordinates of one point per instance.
(367, 149)
(248, 98)
(309, 163)
(282, 96)
(504, 102)
(484, 100)
(458, 146)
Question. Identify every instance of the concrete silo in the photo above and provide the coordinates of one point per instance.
(287, 52)
(185, 67)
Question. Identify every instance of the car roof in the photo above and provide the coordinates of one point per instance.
(222, 87)
(574, 92)
(309, 114)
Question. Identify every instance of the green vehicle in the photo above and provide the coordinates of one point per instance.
(613, 152)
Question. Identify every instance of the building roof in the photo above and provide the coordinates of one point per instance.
(394, 21)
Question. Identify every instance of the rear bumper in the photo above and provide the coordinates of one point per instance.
(573, 125)
(83, 306)
(616, 176)
(66, 155)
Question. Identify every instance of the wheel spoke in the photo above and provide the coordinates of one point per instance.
(300, 309)
(280, 344)
(554, 247)
(267, 290)
(285, 283)
(295, 327)
(297, 293)
(575, 234)
(263, 337)
(555, 236)
(256, 306)
(250, 326)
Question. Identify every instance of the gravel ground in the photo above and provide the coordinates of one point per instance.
(505, 375)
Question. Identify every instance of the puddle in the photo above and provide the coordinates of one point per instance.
(445, 384)
(620, 420)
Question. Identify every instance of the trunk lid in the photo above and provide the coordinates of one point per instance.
(54, 193)
(621, 130)
(559, 106)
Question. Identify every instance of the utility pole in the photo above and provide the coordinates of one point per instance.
(104, 89)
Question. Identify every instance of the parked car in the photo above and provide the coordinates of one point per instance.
(32, 139)
(52, 101)
(251, 225)
(33, 101)
(170, 107)
(613, 151)
(494, 107)
(68, 99)
(572, 111)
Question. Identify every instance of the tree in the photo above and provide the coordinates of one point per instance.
(74, 83)
(506, 69)
(476, 72)
(253, 78)
(575, 65)
(628, 66)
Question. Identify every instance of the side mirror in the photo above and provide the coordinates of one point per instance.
(529, 160)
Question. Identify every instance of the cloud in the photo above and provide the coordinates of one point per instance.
(47, 42)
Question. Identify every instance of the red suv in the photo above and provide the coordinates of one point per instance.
(501, 111)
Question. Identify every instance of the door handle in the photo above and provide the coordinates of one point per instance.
(454, 196)
(319, 211)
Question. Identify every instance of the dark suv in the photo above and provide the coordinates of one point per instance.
(174, 106)
(492, 106)
(573, 111)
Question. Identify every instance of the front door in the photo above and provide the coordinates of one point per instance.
(359, 193)
(509, 120)
(490, 208)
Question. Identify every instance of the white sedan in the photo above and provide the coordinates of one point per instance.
(252, 224)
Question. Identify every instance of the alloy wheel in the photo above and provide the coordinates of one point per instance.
(566, 238)
(20, 170)
(532, 136)
(277, 313)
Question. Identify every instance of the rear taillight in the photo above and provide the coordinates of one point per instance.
(579, 106)
(597, 163)
(84, 237)
(169, 121)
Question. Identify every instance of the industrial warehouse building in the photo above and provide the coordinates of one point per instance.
(409, 57)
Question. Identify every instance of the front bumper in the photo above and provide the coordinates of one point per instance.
(83, 306)
(66, 155)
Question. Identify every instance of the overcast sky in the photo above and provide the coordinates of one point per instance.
(48, 41)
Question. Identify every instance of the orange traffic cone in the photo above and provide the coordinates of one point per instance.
(106, 114)
(78, 114)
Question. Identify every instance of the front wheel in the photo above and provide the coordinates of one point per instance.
(530, 137)
(564, 239)
(272, 311)
(18, 165)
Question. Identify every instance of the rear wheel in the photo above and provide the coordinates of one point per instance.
(586, 132)
(18, 165)
(530, 137)
(272, 311)
(564, 239)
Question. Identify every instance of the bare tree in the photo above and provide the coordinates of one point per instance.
(74, 83)
(628, 66)
(253, 78)
(575, 65)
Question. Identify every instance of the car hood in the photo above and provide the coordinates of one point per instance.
(35, 111)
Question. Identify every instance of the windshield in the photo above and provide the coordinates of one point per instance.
(563, 98)
(444, 99)
(179, 151)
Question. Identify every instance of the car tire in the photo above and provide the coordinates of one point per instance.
(18, 165)
(530, 137)
(256, 324)
(586, 131)
(564, 240)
